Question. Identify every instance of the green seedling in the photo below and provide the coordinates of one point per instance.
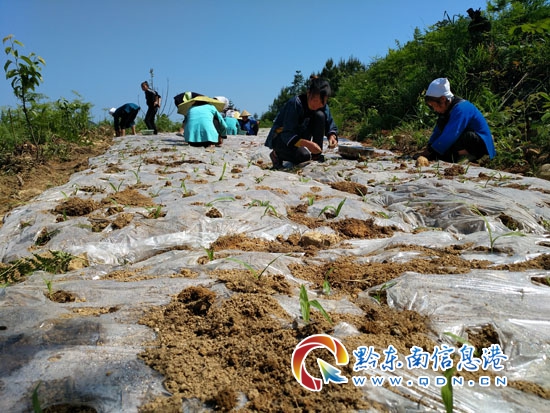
(210, 253)
(182, 186)
(223, 198)
(256, 274)
(363, 196)
(336, 210)
(382, 290)
(310, 200)
(306, 304)
(116, 188)
(492, 238)
(447, 389)
(36, 408)
(138, 180)
(326, 283)
(269, 209)
(223, 171)
(49, 285)
(155, 211)
(259, 179)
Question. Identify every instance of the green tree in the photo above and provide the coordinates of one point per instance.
(24, 72)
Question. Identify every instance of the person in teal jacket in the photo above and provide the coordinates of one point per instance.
(461, 131)
(204, 125)
(299, 128)
(232, 124)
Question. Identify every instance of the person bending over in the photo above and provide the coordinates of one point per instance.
(124, 118)
(299, 128)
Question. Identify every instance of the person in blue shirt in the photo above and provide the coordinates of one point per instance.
(124, 118)
(461, 131)
(299, 128)
(248, 124)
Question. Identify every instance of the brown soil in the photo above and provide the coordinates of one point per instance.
(230, 353)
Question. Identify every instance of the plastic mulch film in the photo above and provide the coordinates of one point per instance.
(92, 359)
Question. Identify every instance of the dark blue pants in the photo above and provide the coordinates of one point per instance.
(315, 132)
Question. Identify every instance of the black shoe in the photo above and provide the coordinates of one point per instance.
(319, 157)
(277, 164)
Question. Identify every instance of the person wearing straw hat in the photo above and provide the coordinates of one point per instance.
(204, 125)
(461, 131)
(232, 123)
(299, 128)
(124, 118)
(248, 124)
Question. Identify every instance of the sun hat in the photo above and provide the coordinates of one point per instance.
(237, 114)
(440, 87)
(224, 100)
(244, 113)
(112, 111)
(189, 101)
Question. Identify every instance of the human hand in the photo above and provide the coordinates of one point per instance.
(332, 142)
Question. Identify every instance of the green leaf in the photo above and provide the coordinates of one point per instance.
(319, 307)
(304, 304)
(35, 402)
(447, 390)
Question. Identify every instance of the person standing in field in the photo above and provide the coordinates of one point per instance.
(152, 99)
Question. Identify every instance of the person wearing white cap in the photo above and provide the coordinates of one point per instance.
(461, 131)
(124, 118)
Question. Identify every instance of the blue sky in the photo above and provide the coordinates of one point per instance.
(242, 49)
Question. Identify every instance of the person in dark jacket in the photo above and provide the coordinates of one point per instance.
(461, 131)
(248, 124)
(299, 128)
(124, 118)
(152, 99)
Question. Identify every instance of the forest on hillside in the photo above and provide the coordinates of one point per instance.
(497, 58)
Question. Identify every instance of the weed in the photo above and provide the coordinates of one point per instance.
(306, 304)
(492, 238)
(336, 210)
